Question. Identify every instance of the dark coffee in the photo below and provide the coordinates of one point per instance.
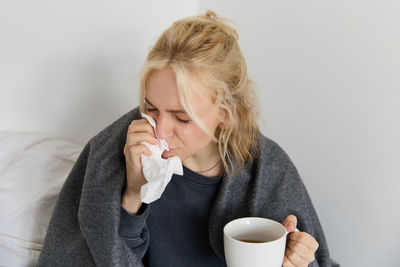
(251, 241)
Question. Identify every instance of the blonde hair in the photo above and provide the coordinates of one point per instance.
(206, 48)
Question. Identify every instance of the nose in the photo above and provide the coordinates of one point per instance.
(164, 127)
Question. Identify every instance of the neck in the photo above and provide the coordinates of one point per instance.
(207, 162)
(215, 171)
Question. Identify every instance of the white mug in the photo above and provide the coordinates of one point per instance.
(255, 242)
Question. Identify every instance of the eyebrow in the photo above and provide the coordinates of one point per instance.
(169, 110)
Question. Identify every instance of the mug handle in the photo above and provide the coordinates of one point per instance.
(297, 230)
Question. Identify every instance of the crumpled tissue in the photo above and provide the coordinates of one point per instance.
(156, 170)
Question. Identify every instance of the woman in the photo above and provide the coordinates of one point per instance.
(195, 86)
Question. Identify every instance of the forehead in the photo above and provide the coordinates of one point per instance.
(162, 91)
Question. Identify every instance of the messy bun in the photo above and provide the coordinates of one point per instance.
(222, 23)
(206, 47)
(211, 14)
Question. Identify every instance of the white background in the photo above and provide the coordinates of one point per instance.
(327, 73)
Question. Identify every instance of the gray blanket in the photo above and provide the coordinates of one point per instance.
(83, 230)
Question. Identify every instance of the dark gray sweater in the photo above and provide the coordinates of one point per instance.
(84, 228)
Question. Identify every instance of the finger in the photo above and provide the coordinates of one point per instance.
(304, 238)
(137, 138)
(302, 250)
(294, 258)
(136, 157)
(141, 125)
(134, 151)
(287, 262)
(290, 223)
(145, 150)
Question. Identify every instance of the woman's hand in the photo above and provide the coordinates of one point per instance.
(300, 246)
(138, 131)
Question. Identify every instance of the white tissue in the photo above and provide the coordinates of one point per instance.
(156, 170)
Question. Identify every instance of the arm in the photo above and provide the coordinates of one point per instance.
(133, 228)
(307, 247)
(291, 196)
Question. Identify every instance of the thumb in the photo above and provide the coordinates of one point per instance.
(290, 223)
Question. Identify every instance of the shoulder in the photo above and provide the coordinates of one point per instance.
(273, 165)
(274, 171)
(270, 152)
(115, 133)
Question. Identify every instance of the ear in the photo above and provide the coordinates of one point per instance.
(223, 116)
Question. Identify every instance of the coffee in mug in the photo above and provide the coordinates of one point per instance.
(255, 242)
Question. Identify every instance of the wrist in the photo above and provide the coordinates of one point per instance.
(131, 202)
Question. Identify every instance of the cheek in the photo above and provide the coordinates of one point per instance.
(193, 136)
(188, 134)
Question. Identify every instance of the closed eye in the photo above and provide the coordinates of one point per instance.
(180, 120)
(183, 121)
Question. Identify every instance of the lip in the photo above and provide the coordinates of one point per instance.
(166, 154)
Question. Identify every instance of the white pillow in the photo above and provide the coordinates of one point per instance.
(33, 168)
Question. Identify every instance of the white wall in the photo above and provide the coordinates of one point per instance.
(326, 71)
(70, 67)
(328, 79)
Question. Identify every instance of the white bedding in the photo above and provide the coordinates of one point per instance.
(33, 168)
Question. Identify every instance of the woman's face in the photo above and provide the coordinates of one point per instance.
(185, 139)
